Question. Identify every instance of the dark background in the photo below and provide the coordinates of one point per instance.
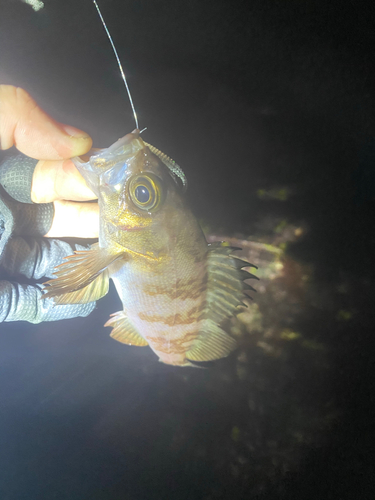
(246, 96)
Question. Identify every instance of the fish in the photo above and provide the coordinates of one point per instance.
(178, 292)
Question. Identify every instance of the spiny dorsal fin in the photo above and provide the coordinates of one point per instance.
(226, 287)
(171, 164)
(79, 270)
(124, 331)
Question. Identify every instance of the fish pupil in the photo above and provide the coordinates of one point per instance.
(142, 194)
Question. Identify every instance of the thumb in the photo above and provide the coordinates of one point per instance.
(24, 125)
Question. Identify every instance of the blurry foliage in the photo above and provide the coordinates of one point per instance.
(343, 315)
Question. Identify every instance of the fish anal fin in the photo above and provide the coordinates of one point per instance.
(212, 343)
(124, 331)
(90, 293)
(79, 270)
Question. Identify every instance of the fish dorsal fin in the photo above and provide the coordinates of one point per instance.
(225, 292)
(79, 270)
(90, 293)
(124, 331)
(174, 168)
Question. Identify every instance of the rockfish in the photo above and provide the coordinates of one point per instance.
(178, 292)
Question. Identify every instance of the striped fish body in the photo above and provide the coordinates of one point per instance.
(164, 301)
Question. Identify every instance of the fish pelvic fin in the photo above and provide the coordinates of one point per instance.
(123, 330)
(79, 273)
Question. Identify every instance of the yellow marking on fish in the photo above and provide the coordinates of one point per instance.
(147, 255)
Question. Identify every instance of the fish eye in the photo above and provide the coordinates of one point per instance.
(146, 191)
(142, 194)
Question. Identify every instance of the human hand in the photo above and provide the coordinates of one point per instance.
(53, 178)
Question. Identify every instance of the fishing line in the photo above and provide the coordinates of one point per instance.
(119, 64)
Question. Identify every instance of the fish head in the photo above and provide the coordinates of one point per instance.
(142, 206)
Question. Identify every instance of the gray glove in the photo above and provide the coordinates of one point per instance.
(24, 254)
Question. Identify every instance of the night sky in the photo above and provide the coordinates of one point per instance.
(245, 96)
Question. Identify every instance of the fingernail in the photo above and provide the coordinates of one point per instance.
(75, 132)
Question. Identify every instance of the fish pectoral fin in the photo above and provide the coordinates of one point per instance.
(80, 270)
(212, 343)
(124, 331)
(90, 293)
